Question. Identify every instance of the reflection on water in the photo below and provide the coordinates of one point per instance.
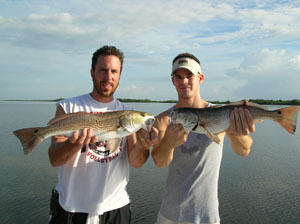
(261, 188)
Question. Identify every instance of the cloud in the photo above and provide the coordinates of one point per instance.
(268, 74)
(127, 88)
(47, 40)
(152, 27)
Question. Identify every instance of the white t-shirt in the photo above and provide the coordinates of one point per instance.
(94, 180)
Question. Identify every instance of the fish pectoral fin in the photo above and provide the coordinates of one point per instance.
(130, 129)
(113, 144)
(64, 116)
(212, 136)
(126, 125)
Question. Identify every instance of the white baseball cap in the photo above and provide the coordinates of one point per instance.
(187, 63)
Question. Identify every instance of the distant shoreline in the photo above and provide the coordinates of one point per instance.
(258, 101)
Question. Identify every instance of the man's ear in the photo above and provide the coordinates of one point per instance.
(172, 78)
(201, 78)
(92, 73)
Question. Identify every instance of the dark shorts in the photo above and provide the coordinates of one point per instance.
(59, 216)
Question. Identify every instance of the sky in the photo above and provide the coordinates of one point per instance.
(247, 49)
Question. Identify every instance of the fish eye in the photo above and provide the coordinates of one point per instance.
(279, 112)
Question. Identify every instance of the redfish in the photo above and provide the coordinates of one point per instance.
(213, 120)
(106, 126)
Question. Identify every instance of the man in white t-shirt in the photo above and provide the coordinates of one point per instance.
(92, 180)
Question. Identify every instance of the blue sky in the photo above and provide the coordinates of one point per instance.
(248, 49)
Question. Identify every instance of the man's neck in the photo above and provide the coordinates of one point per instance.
(101, 99)
(196, 102)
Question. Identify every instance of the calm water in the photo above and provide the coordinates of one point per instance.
(261, 188)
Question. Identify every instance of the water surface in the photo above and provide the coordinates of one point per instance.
(261, 188)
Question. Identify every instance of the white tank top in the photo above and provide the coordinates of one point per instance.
(94, 180)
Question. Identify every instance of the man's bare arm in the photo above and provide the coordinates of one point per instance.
(62, 149)
(169, 137)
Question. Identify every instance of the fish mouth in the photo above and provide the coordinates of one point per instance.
(149, 123)
(173, 117)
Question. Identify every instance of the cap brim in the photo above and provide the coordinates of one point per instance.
(192, 70)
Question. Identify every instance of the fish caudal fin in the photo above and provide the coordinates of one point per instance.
(289, 118)
(28, 139)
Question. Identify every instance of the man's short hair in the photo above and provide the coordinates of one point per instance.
(107, 50)
(188, 55)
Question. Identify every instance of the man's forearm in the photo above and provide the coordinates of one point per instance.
(241, 144)
(61, 152)
(162, 154)
(138, 156)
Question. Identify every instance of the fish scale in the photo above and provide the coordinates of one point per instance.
(95, 121)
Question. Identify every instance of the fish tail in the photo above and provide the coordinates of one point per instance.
(289, 118)
(28, 138)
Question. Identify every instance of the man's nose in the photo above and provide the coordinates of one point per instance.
(108, 75)
(184, 80)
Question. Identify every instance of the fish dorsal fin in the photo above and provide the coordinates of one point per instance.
(216, 106)
(237, 103)
(250, 104)
(64, 116)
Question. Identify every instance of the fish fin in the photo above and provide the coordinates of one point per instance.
(251, 104)
(123, 123)
(28, 138)
(216, 106)
(113, 144)
(237, 103)
(64, 116)
(212, 136)
(259, 120)
(289, 118)
(257, 105)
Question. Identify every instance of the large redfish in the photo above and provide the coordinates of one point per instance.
(213, 120)
(106, 126)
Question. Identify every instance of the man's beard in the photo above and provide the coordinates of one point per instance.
(105, 93)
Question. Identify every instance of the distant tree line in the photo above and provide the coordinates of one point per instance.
(258, 101)
(276, 102)
(146, 101)
(264, 102)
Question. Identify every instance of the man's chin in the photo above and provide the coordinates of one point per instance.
(104, 93)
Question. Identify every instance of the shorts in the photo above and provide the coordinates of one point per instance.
(163, 220)
(58, 215)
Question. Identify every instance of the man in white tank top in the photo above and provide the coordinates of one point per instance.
(193, 160)
(92, 181)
